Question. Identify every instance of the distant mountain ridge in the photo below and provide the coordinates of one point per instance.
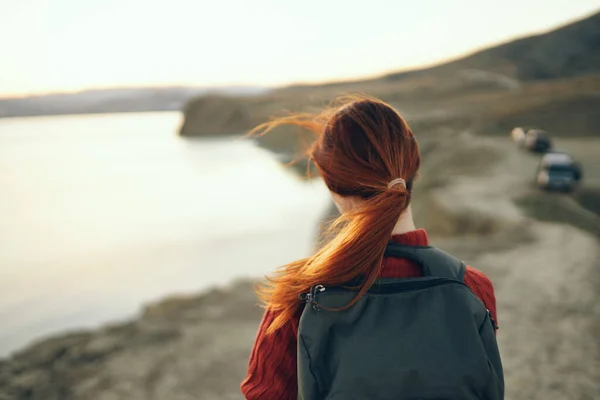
(568, 52)
(114, 100)
(571, 50)
(549, 80)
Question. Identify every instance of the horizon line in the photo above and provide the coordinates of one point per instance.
(295, 83)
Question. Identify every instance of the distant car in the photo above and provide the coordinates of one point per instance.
(518, 135)
(557, 170)
(537, 140)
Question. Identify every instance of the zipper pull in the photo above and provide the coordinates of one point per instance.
(311, 296)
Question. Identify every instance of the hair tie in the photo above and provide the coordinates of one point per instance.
(395, 182)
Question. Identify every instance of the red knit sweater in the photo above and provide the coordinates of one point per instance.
(272, 366)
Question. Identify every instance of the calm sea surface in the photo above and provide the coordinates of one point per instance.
(102, 213)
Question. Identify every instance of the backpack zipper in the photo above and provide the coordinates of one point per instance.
(311, 296)
(385, 288)
(396, 287)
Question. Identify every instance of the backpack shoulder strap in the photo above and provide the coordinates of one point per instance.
(435, 262)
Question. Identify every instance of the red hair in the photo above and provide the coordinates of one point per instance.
(361, 145)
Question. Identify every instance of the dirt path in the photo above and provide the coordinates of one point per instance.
(546, 277)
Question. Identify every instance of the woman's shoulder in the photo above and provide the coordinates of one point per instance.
(473, 273)
(483, 288)
(480, 284)
(477, 278)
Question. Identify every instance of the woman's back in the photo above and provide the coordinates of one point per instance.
(369, 159)
(272, 370)
(390, 344)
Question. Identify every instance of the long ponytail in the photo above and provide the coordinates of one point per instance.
(360, 147)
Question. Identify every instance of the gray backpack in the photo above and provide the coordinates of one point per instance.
(412, 338)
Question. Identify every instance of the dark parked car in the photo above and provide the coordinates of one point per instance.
(558, 171)
(538, 141)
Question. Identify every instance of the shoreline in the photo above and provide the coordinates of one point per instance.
(85, 364)
(162, 302)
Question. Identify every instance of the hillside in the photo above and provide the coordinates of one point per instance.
(569, 51)
(550, 81)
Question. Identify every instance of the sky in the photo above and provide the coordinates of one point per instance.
(69, 45)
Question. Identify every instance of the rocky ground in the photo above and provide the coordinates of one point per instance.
(186, 348)
(542, 252)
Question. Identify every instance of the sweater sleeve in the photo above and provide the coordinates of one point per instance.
(481, 285)
(272, 371)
